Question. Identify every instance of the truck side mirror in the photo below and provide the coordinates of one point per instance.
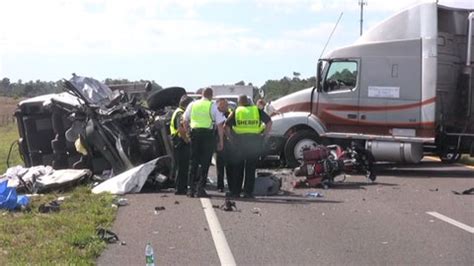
(319, 85)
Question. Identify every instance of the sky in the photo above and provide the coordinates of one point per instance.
(188, 43)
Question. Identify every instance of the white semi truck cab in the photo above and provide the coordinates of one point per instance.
(402, 90)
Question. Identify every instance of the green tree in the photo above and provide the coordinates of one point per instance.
(275, 89)
(5, 86)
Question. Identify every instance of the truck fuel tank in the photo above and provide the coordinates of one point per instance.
(395, 151)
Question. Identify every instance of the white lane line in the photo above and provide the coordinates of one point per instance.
(452, 221)
(222, 247)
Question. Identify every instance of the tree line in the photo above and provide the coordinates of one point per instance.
(21, 89)
(273, 88)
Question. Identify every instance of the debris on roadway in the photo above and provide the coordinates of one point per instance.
(108, 236)
(322, 164)
(313, 195)
(229, 206)
(465, 192)
(266, 184)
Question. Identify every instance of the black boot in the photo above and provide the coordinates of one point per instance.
(201, 193)
(191, 191)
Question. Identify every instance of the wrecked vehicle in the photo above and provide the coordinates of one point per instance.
(404, 89)
(92, 127)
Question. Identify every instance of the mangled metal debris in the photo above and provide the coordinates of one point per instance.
(465, 192)
(92, 127)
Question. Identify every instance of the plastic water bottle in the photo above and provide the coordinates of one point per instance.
(149, 257)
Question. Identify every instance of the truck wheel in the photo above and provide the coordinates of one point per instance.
(165, 97)
(296, 144)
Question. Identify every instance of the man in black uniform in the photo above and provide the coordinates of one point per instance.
(245, 127)
(181, 146)
(200, 117)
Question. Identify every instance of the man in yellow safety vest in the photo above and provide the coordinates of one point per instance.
(201, 118)
(181, 146)
(245, 127)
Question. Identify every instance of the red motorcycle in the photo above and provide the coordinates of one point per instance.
(322, 164)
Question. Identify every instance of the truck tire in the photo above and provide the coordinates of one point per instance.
(166, 97)
(296, 144)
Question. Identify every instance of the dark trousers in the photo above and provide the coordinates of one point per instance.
(182, 154)
(203, 144)
(247, 150)
(223, 168)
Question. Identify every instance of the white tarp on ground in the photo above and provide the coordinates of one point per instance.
(130, 181)
(42, 177)
(60, 177)
(27, 174)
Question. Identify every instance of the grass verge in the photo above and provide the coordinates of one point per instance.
(8, 134)
(64, 237)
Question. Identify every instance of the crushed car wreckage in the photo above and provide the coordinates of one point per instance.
(92, 127)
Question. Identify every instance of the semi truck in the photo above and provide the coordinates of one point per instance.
(402, 90)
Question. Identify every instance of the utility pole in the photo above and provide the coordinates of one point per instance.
(362, 3)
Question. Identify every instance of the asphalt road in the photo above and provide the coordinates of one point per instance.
(354, 223)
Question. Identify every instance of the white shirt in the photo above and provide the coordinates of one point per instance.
(216, 115)
(269, 109)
